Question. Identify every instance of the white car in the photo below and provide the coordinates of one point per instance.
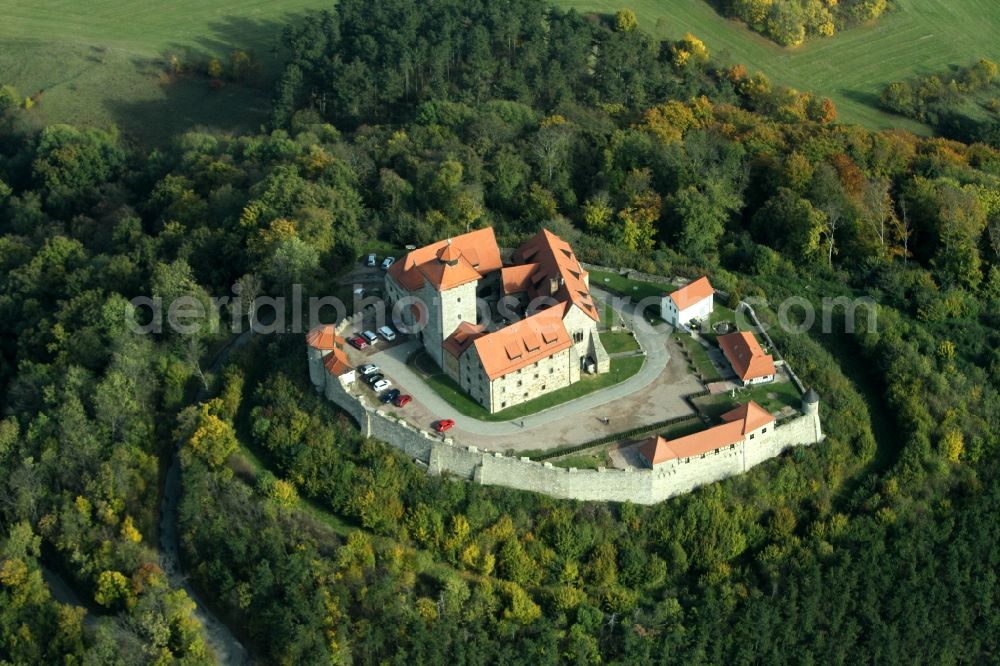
(381, 385)
(388, 261)
(371, 260)
(368, 369)
(387, 333)
(370, 337)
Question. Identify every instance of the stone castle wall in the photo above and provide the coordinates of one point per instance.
(443, 456)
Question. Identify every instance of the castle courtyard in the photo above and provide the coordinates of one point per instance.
(652, 395)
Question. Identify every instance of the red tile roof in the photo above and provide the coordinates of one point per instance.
(462, 338)
(692, 293)
(745, 355)
(522, 343)
(559, 272)
(751, 415)
(336, 363)
(476, 250)
(739, 422)
(324, 337)
(517, 278)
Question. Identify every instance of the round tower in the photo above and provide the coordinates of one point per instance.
(320, 342)
(810, 402)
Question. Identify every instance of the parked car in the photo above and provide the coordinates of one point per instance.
(370, 337)
(368, 369)
(377, 377)
(387, 333)
(402, 400)
(389, 396)
(388, 261)
(444, 424)
(381, 385)
(358, 342)
(372, 260)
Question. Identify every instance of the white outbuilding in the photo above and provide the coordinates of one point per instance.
(692, 301)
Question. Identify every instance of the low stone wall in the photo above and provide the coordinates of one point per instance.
(443, 456)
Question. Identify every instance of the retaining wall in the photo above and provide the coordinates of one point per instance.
(645, 486)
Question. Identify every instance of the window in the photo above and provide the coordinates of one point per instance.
(502, 405)
(459, 316)
(536, 364)
(543, 387)
(458, 300)
(763, 430)
(520, 383)
(536, 375)
(751, 435)
(552, 371)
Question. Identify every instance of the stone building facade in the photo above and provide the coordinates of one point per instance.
(542, 330)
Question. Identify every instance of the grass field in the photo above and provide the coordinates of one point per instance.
(852, 68)
(447, 388)
(618, 342)
(96, 61)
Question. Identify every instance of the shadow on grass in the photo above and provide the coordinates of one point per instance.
(191, 100)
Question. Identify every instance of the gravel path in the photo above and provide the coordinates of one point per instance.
(652, 394)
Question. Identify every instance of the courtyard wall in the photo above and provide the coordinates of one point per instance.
(443, 456)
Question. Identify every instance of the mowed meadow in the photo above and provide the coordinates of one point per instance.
(100, 62)
(852, 68)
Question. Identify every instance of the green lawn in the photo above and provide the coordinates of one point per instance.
(447, 388)
(619, 342)
(96, 61)
(99, 62)
(622, 285)
(591, 460)
(771, 397)
(852, 68)
(699, 358)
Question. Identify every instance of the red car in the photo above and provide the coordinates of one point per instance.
(358, 342)
(444, 424)
(402, 400)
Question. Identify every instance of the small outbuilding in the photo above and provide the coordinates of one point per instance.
(692, 301)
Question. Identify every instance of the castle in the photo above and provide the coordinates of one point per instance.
(506, 333)
(748, 437)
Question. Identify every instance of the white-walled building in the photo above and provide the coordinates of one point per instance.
(749, 361)
(692, 301)
(545, 349)
(739, 428)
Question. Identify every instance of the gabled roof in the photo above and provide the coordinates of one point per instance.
(462, 338)
(522, 343)
(692, 293)
(559, 273)
(517, 278)
(745, 355)
(336, 363)
(324, 337)
(476, 250)
(751, 415)
(739, 422)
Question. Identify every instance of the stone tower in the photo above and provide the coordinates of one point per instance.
(810, 407)
(450, 296)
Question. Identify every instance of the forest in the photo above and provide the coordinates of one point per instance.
(395, 124)
(791, 22)
(963, 104)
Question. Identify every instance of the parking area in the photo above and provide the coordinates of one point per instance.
(653, 394)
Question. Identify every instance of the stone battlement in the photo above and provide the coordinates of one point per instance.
(647, 486)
